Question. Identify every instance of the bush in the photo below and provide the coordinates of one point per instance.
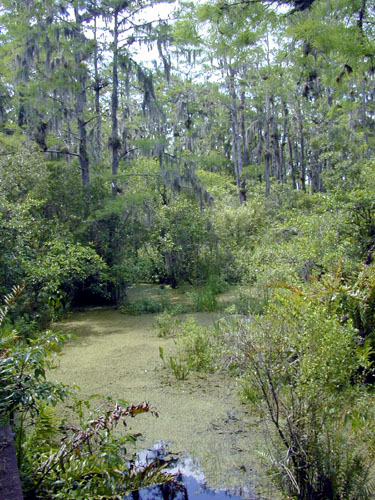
(198, 346)
(165, 324)
(300, 366)
(64, 271)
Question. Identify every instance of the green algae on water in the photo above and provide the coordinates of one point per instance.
(118, 355)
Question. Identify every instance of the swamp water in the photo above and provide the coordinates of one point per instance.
(211, 437)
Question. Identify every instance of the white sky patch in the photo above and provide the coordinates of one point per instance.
(141, 51)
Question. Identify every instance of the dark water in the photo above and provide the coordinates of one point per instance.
(189, 483)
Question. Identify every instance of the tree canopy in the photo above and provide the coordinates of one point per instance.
(243, 154)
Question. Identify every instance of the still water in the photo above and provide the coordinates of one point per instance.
(189, 483)
(202, 417)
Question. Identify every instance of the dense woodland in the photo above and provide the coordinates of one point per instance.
(244, 154)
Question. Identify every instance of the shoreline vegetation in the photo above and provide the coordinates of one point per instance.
(235, 177)
(201, 416)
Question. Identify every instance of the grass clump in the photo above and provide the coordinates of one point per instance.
(177, 365)
(198, 344)
(144, 306)
(166, 324)
(204, 299)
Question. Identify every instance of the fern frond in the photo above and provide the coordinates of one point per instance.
(9, 300)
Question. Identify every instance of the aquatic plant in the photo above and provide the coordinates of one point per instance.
(165, 324)
(179, 367)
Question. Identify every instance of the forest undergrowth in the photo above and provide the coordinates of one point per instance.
(241, 159)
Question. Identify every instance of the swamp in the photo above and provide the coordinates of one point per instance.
(201, 419)
(187, 248)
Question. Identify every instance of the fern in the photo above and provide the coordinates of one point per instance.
(9, 300)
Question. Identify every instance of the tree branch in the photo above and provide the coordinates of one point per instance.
(60, 152)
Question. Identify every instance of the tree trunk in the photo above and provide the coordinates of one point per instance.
(275, 144)
(267, 146)
(292, 163)
(80, 106)
(284, 140)
(302, 148)
(82, 133)
(246, 156)
(98, 138)
(361, 16)
(81, 124)
(364, 115)
(115, 142)
(236, 137)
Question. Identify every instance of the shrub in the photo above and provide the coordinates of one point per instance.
(198, 345)
(64, 271)
(299, 366)
(165, 324)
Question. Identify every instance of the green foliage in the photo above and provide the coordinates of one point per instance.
(350, 297)
(91, 460)
(236, 229)
(165, 324)
(300, 367)
(179, 367)
(176, 363)
(58, 460)
(179, 235)
(197, 345)
(297, 236)
(204, 299)
(23, 381)
(306, 101)
(145, 306)
(65, 270)
(250, 301)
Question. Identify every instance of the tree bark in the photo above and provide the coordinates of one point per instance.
(246, 156)
(115, 142)
(98, 138)
(284, 142)
(364, 115)
(361, 16)
(275, 144)
(80, 104)
(236, 137)
(267, 146)
(292, 163)
(302, 148)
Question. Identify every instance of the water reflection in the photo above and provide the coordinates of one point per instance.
(189, 483)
